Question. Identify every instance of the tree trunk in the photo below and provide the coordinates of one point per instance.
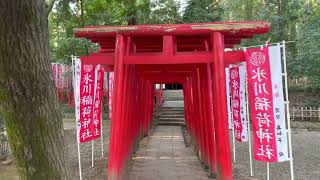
(282, 24)
(82, 22)
(131, 10)
(27, 97)
(249, 10)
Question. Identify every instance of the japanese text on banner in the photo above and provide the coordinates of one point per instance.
(86, 101)
(238, 104)
(97, 105)
(261, 104)
(230, 123)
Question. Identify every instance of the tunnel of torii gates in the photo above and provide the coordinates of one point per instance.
(194, 55)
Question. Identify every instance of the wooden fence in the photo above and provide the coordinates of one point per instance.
(303, 83)
(305, 113)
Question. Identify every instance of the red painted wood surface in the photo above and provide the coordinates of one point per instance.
(220, 110)
(193, 55)
(230, 57)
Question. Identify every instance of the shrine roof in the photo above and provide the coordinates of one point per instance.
(229, 29)
(188, 37)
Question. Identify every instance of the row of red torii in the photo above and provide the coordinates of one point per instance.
(190, 54)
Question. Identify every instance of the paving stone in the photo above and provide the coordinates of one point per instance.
(172, 160)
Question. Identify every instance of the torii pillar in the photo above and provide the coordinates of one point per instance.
(224, 164)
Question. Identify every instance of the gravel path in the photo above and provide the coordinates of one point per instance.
(164, 156)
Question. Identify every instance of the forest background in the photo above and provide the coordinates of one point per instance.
(296, 21)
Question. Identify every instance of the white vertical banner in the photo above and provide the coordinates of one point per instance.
(243, 104)
(76, 63)
(278, 103)
(77, 79)
(238, 99)
(111, 83)
(105, 82)
(230, 123)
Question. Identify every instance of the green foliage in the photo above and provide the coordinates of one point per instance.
(71, 46)
(292, 20)
(202, 11)
(308, 59)
(66, 16)
(164, 12)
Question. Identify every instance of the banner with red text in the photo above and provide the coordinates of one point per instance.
(86, 101)
(230, 123)
(266, 104)
(89, 87)
(97, 105)
(237, 74)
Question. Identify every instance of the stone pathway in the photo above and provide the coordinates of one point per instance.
(163, 156)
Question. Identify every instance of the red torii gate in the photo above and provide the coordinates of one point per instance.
(190, 54)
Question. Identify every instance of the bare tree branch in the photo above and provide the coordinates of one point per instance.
(216, 3)
(49, 5)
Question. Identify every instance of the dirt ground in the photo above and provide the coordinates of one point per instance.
(305, 152)
(99, 169)
(304, 99)
(306, 160)
(97, 172)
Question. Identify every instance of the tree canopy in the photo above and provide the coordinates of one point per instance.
(295, 21)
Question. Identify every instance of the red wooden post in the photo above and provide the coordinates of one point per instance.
(196, 110)
(205, 115)
(211, 121)
(224, 165)
(123, 152)
(186, 105)
(201, 119)
(205, 95)
(191, 109)
(113, 165)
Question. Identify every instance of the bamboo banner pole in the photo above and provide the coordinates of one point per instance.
(287, 109)
(249, 129)
(233, 146)
(92, 152)
(102, 148)
(268, 171)
(79, 158)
